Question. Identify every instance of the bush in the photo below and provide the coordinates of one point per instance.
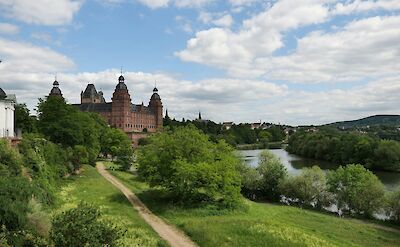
(81, 226)
(15, 193)
(191, 167)
(272, 172)
(10, 160)
(393, 207)
(356, 190)
(80, 156)
(308, 189)
(251, 181)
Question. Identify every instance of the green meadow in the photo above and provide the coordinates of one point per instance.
(262, 224)
(91, 187)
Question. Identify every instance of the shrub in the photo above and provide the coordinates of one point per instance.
(393, 207)
(81, 226)
(38, 220)
(80, 156)
(356, 190)
(191, 167)
(251, 181)
(15, 193)
(272, 172)
(308, 189)
(10, 160)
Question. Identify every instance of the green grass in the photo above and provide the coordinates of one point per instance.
(91, 187)
(263, 224)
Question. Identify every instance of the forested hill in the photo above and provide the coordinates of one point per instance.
(387, 120)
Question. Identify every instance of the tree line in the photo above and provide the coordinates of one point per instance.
(355, 190)
(236, 135)
(347, 148)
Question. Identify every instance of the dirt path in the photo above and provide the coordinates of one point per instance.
(169, 233)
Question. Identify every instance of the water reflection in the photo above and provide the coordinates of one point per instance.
(295, 163)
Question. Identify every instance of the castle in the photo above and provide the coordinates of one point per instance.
(135, 120)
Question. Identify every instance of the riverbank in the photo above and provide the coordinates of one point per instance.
(263, 224)
(269, 145)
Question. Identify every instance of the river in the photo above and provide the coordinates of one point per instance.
(294, 163)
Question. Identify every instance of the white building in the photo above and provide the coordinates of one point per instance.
(7, 103)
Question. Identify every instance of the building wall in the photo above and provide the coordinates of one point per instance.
(6, 119)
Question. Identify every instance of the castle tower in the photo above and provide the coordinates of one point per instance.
(156, 105)
(121, 106)
(56, 91)
(90, 95)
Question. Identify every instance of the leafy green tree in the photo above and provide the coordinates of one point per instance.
(387, 155)
(82, 226)
(191, 167)
(80, 156)
(251, 181)
(308, 189)
(272, 171)
(393, 205)
(23, 120)
(65, 124)
(356, 190)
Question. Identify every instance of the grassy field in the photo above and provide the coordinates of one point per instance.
(90, 187)
(263, 224)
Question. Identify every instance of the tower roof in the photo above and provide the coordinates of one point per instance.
(121, 83)
(155, 96)
(55, 91)
(3, 94)
(90, 91)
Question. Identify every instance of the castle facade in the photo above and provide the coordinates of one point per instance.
(135, 120)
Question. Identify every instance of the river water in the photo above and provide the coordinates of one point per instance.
(294, 163)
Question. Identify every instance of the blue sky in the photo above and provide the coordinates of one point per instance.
(288, 61)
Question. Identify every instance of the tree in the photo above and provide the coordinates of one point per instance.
(64, 124)
(356, 190)
(191, 167)
(81, 226)
(23, 120)
(308, 189)
(272, 172)
(387, 155)
(393, 206)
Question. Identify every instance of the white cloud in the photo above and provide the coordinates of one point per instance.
(192, 3)
(364, 48)
(258, 36)
(362, 6)
(154, 3)
(224, 21)
(28, 58)
(243, 2)
(7, 28)
(44, 12)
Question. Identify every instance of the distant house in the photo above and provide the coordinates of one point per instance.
(255, 126)
(7, 109)
(227, 125)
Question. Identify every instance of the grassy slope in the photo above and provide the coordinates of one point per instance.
(93, 188)
(264, 224)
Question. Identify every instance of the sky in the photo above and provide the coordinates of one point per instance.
(292, 62)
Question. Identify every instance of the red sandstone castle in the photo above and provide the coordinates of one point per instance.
(134, 120)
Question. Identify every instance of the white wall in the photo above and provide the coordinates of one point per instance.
(6, 119)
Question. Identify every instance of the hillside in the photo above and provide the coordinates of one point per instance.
(387, 120)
